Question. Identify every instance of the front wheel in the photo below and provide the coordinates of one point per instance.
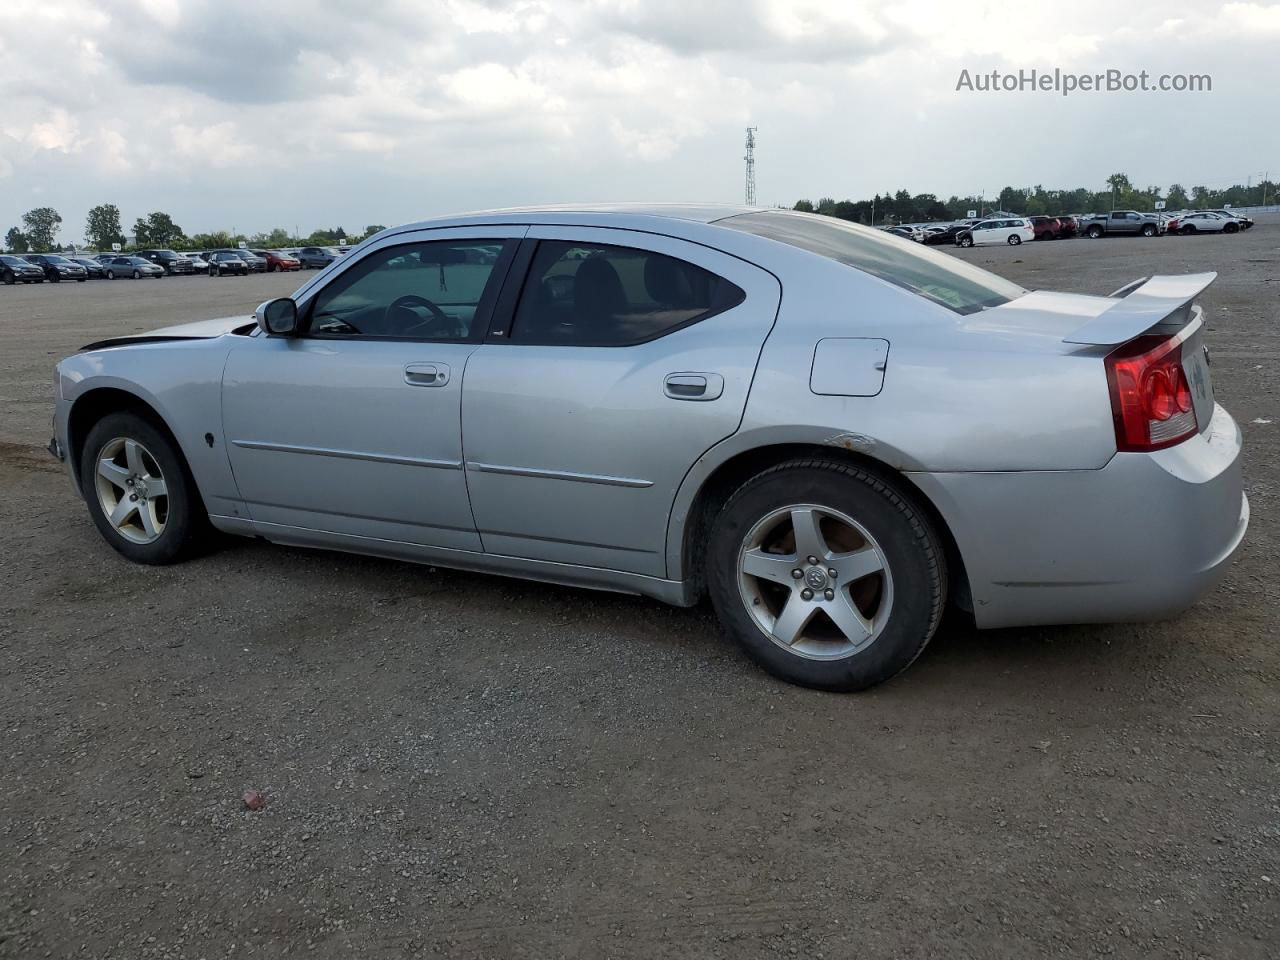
(111, 274)
(213, 271)
(9, 278)
(1014, 239)
(965, 241)
(826, 575)
(1230, 228)
(140, 493)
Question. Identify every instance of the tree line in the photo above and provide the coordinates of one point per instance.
(1119, 194)
(39, 234)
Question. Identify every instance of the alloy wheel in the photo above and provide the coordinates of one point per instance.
(815, 581)
(131, 490)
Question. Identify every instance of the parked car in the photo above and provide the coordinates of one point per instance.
(1012, 232)
(252, 261)
(1244, 222)
(1046, 228)
(943, 233)
(1122, 223)
(776, 453)
(127, 265)
(172, 263)
(278, 260)
(226, 261)
(1204, 222)
(1068, 227)
(17, 270)
(57, 268)
(104, 258)
(317, 258)
(907, 232)
(198, 263)
(92, 267)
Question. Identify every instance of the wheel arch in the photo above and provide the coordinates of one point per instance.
(94, 404)
(695, 519)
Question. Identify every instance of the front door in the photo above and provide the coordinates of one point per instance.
(628, 356)
(352, 427)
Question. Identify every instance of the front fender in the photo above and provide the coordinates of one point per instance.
(181, 381)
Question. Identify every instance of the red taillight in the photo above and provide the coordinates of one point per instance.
(1150, 397)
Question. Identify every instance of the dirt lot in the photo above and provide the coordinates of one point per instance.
(472, 766)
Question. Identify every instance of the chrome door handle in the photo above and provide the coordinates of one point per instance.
(426, 374)
(693, 386)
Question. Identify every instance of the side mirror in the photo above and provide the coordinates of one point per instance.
(277, 317)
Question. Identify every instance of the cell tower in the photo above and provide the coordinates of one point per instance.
(751, 166)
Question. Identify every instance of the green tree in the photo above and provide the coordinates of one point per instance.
(42, 228)
(278, 237)
(212, 241)
(804, 206)
(102, 227)
(158, 230)
(1177, 197)
(370, 230)
(16, 241)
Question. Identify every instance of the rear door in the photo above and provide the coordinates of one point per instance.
(626, 356)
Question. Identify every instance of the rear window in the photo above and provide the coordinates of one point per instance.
(946, 280)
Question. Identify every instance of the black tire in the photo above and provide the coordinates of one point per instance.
(186, 523)
(914, 552)
(81, 279)
(1014, 240)
(54, 278)
(213, 271)
(137, 275)
(1188, 230)
(1231, 228)
(1095, 232)
(1149, 230)
(965, 241)
(9, 278)
(111, 274)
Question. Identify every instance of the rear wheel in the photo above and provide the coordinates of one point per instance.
(1095, 232)
(111, 274)
(1014, 239)
(9, 278)
(826, 575)
(137, 274)
(139, 490)
(1188, 230)
(213, 271)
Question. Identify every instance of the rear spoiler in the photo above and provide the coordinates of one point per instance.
(1143, 304)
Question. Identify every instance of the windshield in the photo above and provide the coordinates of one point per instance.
(944, 279)
(53, 259)
(14, 261)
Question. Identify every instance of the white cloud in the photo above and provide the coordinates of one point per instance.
(321, 111)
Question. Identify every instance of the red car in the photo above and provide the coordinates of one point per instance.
(278, 261)
(1046, 228)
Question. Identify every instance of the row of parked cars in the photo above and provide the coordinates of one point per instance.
(55, 267)
(1013, 230)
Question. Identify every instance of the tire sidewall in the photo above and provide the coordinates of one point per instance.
(915, 562)
(182, 521)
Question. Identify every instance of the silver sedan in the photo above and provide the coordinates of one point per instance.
(831, 432)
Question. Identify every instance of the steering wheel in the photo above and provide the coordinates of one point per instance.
(438, 319)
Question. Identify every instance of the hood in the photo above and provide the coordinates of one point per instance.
(199, 330)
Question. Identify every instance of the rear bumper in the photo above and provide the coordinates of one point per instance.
(1143, 538)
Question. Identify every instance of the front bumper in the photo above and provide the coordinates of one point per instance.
(1143, 538)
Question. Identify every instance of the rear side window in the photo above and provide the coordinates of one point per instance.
(598, 295)
(946, 280)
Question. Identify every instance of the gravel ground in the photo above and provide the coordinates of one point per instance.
(470, 766)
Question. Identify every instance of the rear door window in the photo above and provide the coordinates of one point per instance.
(599, 295)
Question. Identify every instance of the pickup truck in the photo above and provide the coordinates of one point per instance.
(1121, 223)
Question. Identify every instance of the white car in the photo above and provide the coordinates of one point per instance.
(1012, 231)
(1204, 221)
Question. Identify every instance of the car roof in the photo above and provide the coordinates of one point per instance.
(554, 213)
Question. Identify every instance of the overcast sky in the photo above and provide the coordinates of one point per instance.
(250, 115)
